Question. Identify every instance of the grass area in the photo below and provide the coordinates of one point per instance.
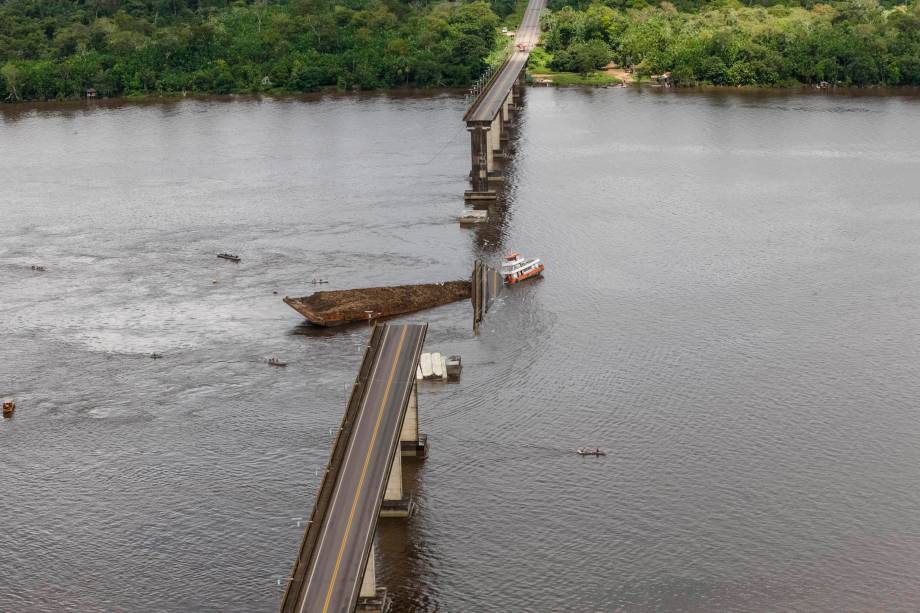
(539, 69)
(566, 79)
(501, 51)
(539, 60)
(513, 20)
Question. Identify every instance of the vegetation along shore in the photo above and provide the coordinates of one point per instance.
(57, 49)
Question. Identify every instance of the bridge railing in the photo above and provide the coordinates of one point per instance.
(327, 485)
(496, 71)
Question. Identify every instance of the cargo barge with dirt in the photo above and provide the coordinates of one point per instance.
(337, 307)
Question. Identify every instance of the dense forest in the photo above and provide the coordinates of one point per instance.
(60, 48)
(850, 42)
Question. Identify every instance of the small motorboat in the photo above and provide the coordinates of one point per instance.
(319, 281)
(38, 268)
(516, 268)
(8, 407)
(156, 356)
(229, 256)
(588, 451)
(277, 362)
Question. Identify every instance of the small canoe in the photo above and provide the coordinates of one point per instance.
(228, 256)
(586, 451)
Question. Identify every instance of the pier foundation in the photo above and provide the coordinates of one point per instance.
(482, 163)
(372, 599)
(412, 443)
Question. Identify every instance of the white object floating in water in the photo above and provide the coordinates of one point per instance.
(425, 364)
(437, 365)
(431, 366)
(474, 216)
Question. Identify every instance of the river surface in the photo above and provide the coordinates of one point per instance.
(731, 308)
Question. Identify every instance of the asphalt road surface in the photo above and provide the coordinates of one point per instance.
(527, 35)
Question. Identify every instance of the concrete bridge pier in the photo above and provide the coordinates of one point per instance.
(498, 153)
(412, 443)
(517, 91)
(483, 162)
(396, 502)
(371, 598)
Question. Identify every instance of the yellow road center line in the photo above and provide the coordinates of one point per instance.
(367, 460)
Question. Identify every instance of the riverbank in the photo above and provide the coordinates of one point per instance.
(17, 110)
(132, 49)
(779, 46)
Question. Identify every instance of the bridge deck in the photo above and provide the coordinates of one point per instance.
(487, 106)
(335, 563)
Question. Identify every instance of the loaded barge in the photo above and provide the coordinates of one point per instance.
(337, 307)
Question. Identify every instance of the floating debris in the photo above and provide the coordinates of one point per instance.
(229, 256)
(336, 307)
(277, 362)
(431, 366)
(9, 407)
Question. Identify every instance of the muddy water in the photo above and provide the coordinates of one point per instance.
(729, 308)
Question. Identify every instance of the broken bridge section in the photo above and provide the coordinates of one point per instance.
(363, 480)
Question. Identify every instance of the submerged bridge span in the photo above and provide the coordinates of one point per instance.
(334, 571)
(489, 115)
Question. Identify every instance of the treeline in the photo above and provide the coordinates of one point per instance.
(852, 42)
(60, 48)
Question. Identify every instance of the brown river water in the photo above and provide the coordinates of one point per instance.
(731, 308)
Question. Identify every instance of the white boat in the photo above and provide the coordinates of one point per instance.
(588, 451)
(277, 362)
(516, 268)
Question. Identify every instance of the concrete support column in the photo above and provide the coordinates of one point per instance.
(369, 583)
(490, 149)
(413, 443)
(395, 502)
(496, 132)
(482, 162)
(481, 146)
(394, 489)
(372, 599)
